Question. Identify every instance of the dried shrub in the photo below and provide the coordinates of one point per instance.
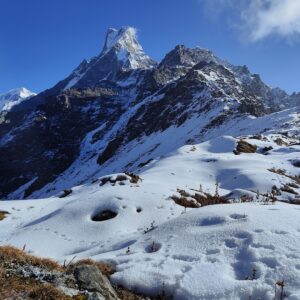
(198, 199)
(278, 171)
(125, 294)
(288, 189)
(185, 202)
(282, 172)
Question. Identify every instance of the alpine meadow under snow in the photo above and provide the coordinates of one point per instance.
(127, 157)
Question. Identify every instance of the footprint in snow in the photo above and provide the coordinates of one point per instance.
(297, 267)
(243, 235)
(267, 247)
(238, 216)
(185, 269)
(280, 232)
(185, 258)
(230, 243)
(209, 221)
(212, 251)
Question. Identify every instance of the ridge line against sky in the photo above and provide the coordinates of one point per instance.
(43, 42)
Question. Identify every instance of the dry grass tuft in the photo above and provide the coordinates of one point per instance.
(47, 292)
(128, 295)
(3, 214)
(295, 178)
(198, 199)
(14, 287)
(11, 254)
(105, 268)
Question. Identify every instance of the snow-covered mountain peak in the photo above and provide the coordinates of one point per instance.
(124, 44)
(125, 38)
(121, 53)
(14, 97)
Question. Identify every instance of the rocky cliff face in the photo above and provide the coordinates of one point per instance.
(92, 121)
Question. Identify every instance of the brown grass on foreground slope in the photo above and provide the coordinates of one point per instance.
(24, 276)
(3, 214)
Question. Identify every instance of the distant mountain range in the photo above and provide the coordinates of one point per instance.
(121, 109)
(14, 97)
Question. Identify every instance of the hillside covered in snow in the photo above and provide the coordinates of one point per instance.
(183, 173)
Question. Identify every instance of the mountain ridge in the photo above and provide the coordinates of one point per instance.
(14, 97)
(107, 106)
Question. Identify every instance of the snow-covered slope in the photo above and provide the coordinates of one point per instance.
(193, 128)
(229, 251)
(14, 97)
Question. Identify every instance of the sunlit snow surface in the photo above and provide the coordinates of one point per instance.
(203, 253)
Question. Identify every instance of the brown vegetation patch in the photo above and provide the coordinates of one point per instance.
(127, 294)
(282, 172)
(288, 189)
(244, 147)
(3, 214)
(17, 285)
(13, 287)
(197, 199)
(10, 254)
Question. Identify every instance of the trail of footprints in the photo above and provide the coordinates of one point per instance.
(242, 243)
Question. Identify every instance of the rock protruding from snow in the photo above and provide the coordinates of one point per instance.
(91, 279)
(14, 97)
(187, 57)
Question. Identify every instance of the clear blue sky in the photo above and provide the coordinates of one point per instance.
(42, 41)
